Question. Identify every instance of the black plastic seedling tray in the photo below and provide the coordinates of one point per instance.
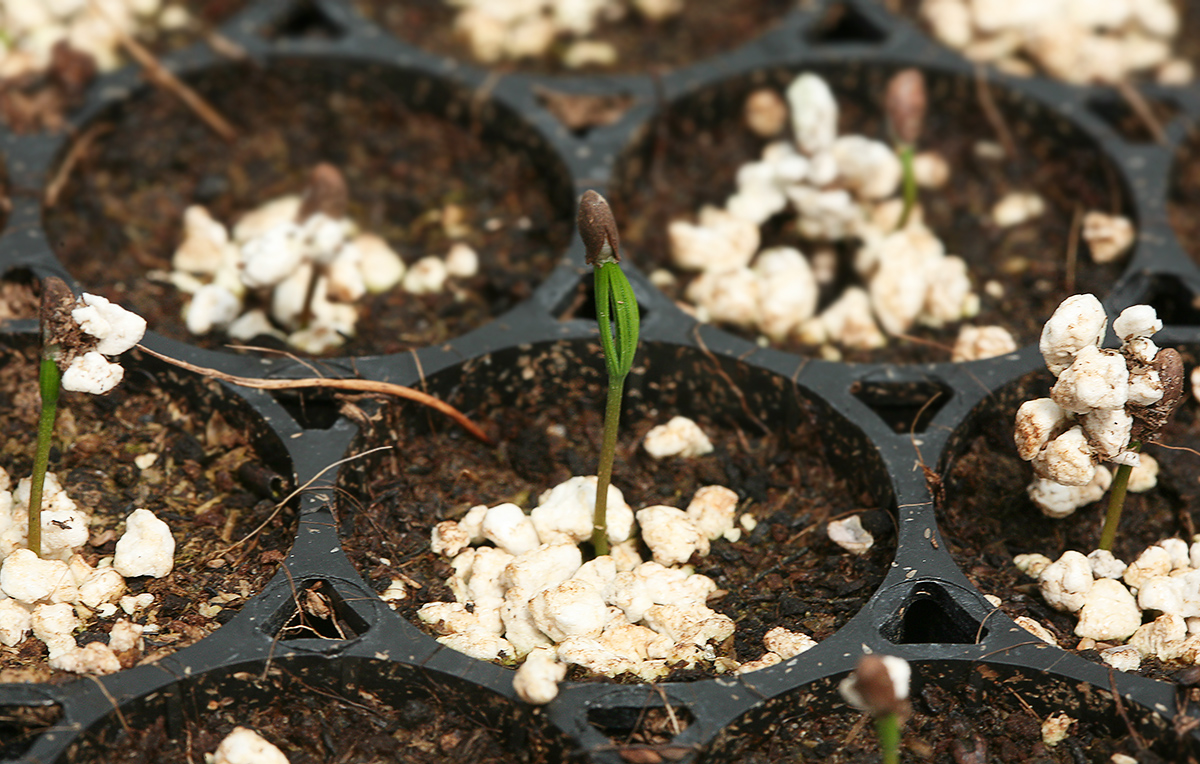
(880, 423)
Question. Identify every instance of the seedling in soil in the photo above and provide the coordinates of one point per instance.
(1105, 405)
(905, 104)
(76, 335)
(879, 686)
(614, 296)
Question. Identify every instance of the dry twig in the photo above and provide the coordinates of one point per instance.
(162, 77)
(355, 385)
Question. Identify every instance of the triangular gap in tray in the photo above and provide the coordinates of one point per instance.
(843, 23)
(903, 406)
(581, 113)
(310, 411)
(315, 611)
(929, 615)
(650, 727)
(1171, 299)
(305, 19)
(22, 723)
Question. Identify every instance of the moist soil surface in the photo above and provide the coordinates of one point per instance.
(987, 519)
(981, 717)
(203, 447)
(704, 28)
(419, 180)
(785, 572)
(691, 157)
(317, 720)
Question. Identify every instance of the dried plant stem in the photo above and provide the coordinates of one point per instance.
(49, 383)
(161, 76)
(355, 385)
(1141, 107)
(1116, 501)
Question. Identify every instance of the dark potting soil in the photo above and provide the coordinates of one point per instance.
(19, 296)
(41, 101)
(204, 446)
(704, 28)
(314, 720)
(986, 518)
(120, 214)
(978, 717)
(691, 156)
(784, 573)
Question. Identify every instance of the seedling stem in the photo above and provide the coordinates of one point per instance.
(614, 299)
(56, 299)
(888, 729)
(1116, 501)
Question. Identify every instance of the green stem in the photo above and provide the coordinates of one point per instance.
(608, 450)
(888, 729)
(614, 294)
(49, 379)
(1116, 501)
(906, 152)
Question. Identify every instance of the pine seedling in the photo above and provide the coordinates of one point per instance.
(1104, 406)
(57, 301)
(76, 336)
(614, 299)
(879, 686)
(905, 103)
(1148, 422)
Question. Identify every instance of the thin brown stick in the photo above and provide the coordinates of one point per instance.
(994, 117)
(74, 154)
(115, 705)
(1141, 107)
(855, 731)
(160, 76)
(737, 391)
(1073, 248)
(1138, 740)
(356, 385)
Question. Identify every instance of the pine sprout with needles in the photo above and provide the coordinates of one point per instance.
(614, 298)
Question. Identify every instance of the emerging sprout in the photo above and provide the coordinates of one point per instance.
(1104, 406)
(905, 104)
(614, 296)
(879, 686)
(76, 337)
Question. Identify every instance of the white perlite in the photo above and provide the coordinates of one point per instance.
(1112, 599)
(1078, 41)
(614, 614)
(849, 534)
(1087, 419)
(147, 548)
(678, 437)
(843, 191)
(32, 29)
(497, 32)
(256, 279)
(115, 331)
(50, 596)
(245, 746)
